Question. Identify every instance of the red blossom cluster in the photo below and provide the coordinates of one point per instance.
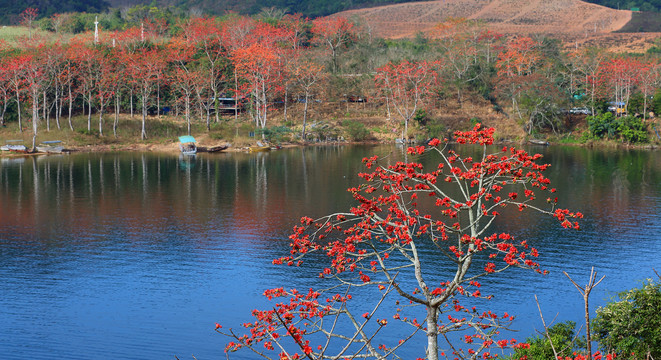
(575, 356)
(270, 325)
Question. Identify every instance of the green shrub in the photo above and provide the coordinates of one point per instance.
(564, 340)
(633, 130)
(632, 324)
(275, 134)
(421, 117)
(223, 130)
(436, 129)
(586, 136)
(92, 132)
(603, 125)
(355, 130)
(656, 103)
(636, 104)
(165, 129)
(627, 128)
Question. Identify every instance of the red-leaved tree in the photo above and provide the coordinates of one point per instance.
(405, 85)
(5, 87)
(144, 67)
(333, 33)
(417, 243)
(619, 76)
(261, 66)
(27, 17)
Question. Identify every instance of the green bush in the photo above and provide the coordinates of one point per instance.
(632, 324)
(633, 130)
(436, 129)
(626, 128)
(355, 130)
(421, 117)
(275, 134)
(656, 103)
(602, 125)
(223, 130)
(92, 132)
(564, 340)
(636, 104)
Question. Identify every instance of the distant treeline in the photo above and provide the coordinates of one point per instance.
(10, 11)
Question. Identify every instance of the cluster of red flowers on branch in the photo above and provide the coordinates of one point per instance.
(403, 211)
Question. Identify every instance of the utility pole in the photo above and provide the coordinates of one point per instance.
(96, 30)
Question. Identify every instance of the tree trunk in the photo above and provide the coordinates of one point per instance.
(588, 336)
(143, 133)
(236, 103)
(305, 115)
(188, 113)
(432, 333)
(208, 119)
(58, 106)
(101, 116)
(89, 111)
(46, 115)
(116, 122)
(406, 129)
(644, 106)
(18, 110)
(35, 118)
(4, 110)
(216, 102)
(285, 110)
(158, 97)
(70, 107)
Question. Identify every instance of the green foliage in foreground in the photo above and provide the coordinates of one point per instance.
(564, 338)
(629, 129)
(632, 324)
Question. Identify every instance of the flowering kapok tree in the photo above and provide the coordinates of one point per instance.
(421, 241)
(406, 85)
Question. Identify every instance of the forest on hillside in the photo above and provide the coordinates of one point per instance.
(9, 11)
(264, 64)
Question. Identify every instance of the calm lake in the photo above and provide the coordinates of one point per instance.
(137, 255)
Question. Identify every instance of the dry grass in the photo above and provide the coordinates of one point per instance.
(18, 35)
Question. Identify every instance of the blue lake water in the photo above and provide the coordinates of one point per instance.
(137, 255)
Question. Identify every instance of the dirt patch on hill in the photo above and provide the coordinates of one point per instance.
(575, 22)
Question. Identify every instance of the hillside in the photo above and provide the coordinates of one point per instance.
(309, 8)
(10, 10)
(575, 22)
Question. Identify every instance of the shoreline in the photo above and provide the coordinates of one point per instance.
(173, 148)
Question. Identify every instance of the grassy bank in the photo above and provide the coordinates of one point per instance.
(327, 122)
(357, 122)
